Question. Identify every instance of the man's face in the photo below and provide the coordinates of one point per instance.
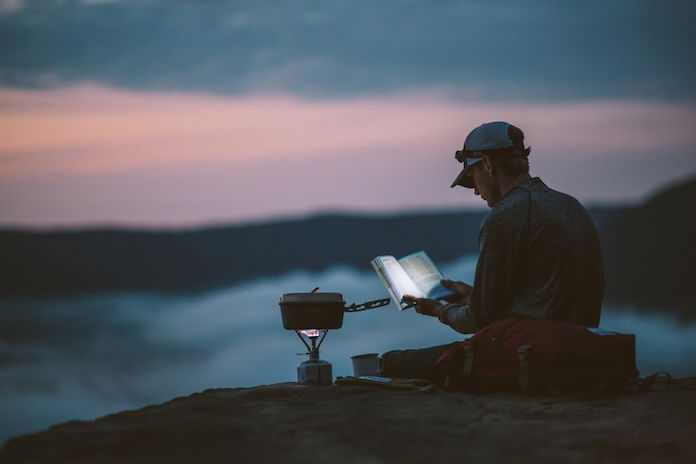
(484, 183)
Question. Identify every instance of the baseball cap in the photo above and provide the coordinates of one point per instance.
(493, 138)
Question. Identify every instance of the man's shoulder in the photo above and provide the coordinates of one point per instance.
(553, 208)
(541, 195)
(532, 196)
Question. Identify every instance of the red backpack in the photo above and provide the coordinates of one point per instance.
(534, 355)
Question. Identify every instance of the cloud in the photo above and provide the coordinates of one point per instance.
(10, 6)
(94, 129)
(95, 154)
(494, 49)
(78, 358)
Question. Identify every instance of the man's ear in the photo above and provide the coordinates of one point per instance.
(487, 165)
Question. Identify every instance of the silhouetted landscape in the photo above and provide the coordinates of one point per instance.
(647, 250)
(74, 262)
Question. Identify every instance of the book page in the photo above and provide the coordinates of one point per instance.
(395, 279)
(424, 274)
(377, 266)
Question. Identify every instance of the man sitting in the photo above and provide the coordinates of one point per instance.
(539, 254)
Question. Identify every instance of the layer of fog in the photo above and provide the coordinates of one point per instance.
(80, 358)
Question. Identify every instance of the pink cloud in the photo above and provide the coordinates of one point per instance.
(282, 154)
(95, 129)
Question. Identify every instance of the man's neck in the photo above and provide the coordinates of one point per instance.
(507, 184)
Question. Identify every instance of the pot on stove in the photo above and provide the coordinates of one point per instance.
(315, 310)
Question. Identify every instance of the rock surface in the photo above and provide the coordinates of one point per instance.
(286, 423)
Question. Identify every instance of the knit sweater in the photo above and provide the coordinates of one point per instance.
(539, 257)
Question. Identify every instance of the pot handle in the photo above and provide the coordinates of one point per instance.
(354, 308)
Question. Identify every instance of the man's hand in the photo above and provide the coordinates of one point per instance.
(425, 306)
(462, 291)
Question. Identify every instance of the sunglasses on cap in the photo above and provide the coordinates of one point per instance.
(462, 156)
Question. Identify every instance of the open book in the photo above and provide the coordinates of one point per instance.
(415, 274)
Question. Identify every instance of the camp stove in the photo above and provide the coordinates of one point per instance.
(311, 316)
(313, 371)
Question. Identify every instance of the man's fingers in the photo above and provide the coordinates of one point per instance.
(455, 285)
(451, 283)
(412, 300)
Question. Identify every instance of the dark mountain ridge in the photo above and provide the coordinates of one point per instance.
(73, 262)
(650, 252)
(68, 262)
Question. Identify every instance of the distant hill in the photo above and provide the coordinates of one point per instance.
(72, 262)
(67, 262)
(650, 252)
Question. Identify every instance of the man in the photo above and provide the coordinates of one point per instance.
(539, 254)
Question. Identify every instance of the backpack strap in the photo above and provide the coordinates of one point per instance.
(524, 354)
(468, 365)
(460, 379)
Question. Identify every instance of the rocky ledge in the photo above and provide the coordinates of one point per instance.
(286, 423)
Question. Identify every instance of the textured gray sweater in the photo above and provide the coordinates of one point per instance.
(539, 258)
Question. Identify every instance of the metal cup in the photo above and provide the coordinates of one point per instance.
(370, 364)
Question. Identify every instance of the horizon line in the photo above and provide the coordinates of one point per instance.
(90, 226)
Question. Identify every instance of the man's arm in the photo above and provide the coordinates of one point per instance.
(456, 314)
(497, 273)
(458, 317)
(501, 242)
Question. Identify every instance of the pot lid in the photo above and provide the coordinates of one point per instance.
(323, 297)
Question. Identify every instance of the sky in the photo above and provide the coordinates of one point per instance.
(156, 113)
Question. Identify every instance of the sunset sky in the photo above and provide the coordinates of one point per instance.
(180, 113)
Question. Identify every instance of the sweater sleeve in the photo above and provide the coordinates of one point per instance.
(458, 317)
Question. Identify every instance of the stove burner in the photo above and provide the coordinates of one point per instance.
(314, 371)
